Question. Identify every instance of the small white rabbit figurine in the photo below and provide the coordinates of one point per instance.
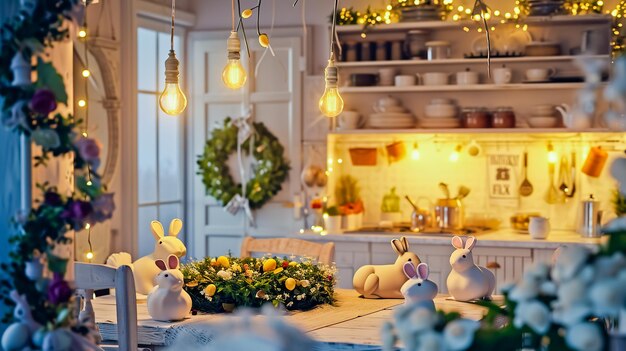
(18, 335)
(385, 281)
(468, 281)
(418, 289)
(168, 301)
(144, 269)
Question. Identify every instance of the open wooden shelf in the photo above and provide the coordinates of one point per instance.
(454, 87)
(466, 61)
(537, 20)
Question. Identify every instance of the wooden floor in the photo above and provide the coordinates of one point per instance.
(353, 323)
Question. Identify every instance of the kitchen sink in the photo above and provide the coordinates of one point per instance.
(406, 229)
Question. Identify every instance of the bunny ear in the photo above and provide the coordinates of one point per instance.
(422, 271)
(409, 270)
(469, 244)
(172, 261)
(397, 247)
(405, 243)
(175, 226)
(161, 265)
(157, 230)
(457, 242)
(15, 296)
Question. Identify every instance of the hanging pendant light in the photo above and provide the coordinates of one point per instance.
(331, 103)
(234, 75)
(172, 100)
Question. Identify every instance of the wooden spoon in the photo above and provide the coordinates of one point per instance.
(526, 188)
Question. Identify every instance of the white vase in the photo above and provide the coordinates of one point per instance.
(21, 70)
(332, 223)
(353, 221)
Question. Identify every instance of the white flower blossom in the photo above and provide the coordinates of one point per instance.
(569, 262)
(572, 292)
(313, 290)
(226, 275)
(525, 290)
(431, 341)
(585, 337)
(570, 315)
(459, 334)
(608, 297)
(304, 283)
(534, 314)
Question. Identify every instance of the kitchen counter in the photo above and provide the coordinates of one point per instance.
(506, 238)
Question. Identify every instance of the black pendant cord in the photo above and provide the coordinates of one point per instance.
(332, 31)
(172, 26)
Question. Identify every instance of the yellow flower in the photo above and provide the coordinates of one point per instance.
(264, 40)
(248, 273)
(278, 270)
(304, 283)
(192, 284)
(223, 261)
(293, 263)
(213, 262)
(290, 284)
(269, 265)
(236, 268)
(246, 13)
(210, 290)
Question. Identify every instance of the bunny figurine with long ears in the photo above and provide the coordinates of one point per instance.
(144, 269)
(468, 281)
(168, 301)
(418, 289)
(385, 281)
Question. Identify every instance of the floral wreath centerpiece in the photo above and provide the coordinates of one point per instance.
(223, 283)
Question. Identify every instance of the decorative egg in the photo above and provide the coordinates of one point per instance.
(38, 337)
(321, 178)
(15, 337)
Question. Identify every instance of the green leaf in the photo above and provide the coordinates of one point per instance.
(48, 77)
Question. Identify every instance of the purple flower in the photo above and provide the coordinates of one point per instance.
(77, 211)
(59, 290)
(88, 149)
(52, 198)
(43, 102)
(103, 207)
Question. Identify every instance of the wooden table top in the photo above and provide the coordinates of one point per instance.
(351, 321)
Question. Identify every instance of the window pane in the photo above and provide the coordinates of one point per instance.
(145, 240)
(146, 59)
(169, 212)
(170, 158)
(146, 148)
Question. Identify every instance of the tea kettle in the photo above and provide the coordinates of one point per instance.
(591, 218)
(573, 117)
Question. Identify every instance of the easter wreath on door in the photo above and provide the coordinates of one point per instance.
(269, 170)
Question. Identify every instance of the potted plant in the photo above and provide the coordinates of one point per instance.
(390, 207)
(348, 197)
(332, 219)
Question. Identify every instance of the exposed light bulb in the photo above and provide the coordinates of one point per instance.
(82, 32)
(82, 103)
(86, 73)
(89, 255)
(552, 156)
(415, 153)
(172, 100)
(234, 75)
(331, 103)
(454, 156)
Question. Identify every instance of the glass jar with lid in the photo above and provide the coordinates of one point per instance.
(475, 117)
(415, 44)
(503, 117)
(438, 50)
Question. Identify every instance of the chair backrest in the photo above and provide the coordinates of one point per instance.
(97, 276)
(324, 253)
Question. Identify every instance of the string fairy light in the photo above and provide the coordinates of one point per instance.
(618, 39)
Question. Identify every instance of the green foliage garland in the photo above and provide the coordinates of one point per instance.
(30, 110)
(270, 172)
(251, 282)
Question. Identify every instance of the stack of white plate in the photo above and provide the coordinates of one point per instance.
(391, 120)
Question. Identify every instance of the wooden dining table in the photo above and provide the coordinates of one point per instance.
(352, 323)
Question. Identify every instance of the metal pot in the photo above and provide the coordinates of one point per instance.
(449, 214)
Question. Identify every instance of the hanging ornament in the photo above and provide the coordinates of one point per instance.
(172, 100)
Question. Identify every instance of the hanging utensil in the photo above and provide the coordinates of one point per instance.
(526, 188)
(415, 208)
(445, 189)
(552, 195)
(563, 182)
(572, 189)
(463, 192)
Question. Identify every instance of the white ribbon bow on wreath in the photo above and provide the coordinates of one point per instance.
(241, 202)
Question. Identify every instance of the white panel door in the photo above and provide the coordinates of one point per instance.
(275, 96)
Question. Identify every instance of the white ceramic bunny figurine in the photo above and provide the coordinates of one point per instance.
(144, 269)
(418, 289)
(385, 281)
(18, 335)
(468, 281)
(168, 301)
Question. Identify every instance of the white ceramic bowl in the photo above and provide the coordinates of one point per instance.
(440, 111)
(544, 122)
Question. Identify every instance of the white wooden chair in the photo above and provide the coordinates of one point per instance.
(90, 277)
(324, 253)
